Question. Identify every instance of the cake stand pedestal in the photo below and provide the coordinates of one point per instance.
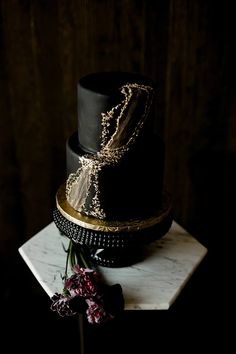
(152, 284)
(112, 243)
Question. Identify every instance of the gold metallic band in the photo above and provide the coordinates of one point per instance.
(92, 223)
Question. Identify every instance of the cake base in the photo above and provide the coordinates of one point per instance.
(112, 244)
(112, 249)
(117, 257)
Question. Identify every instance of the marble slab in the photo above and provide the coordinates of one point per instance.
(152, 284)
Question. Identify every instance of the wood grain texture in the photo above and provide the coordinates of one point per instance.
(199, 108)
(46, 46)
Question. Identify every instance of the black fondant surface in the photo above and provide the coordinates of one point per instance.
(98, 93)
(131, 189)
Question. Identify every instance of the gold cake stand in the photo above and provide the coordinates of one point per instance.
(119, 242)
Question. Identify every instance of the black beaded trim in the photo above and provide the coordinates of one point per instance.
(99, 239)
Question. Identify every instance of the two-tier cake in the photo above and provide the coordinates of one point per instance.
(114, 200)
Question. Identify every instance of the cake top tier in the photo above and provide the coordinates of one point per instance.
(100, 93)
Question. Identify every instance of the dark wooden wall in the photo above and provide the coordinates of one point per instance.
(187, 47)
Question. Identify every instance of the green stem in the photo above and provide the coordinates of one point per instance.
(76, 254)
(83, 260)
(71, 255)
(67, 261)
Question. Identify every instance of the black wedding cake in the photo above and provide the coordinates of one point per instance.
(114, 200)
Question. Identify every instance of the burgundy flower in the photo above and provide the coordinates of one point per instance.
(82, 282)
(96, 313)
(61, 304)
(84, 292)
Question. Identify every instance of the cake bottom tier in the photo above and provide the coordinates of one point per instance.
(129, 189)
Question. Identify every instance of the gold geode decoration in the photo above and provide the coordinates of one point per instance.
(115, 144)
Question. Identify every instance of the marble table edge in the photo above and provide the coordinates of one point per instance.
(128, 306)
(166, 305)
(35, 273)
